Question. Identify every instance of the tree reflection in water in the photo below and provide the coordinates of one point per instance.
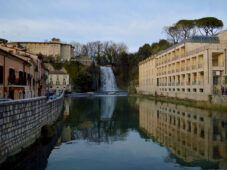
(99, 120)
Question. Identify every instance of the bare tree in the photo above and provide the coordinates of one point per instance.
(77, 48)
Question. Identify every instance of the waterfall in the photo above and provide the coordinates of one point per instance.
(108, 82)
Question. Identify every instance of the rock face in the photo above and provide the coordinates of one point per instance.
(21, 122)
(108, 81)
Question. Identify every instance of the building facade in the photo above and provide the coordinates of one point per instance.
(193, 69)
(59, 80)
(54, 49)
(22, 74)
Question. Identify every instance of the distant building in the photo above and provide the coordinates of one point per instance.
(85, 60)
(54, 48)
(22, 74)
(59, 80)
(193, 69)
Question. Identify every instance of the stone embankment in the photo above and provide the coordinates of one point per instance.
(21, 122)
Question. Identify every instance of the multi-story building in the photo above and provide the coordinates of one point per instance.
(191, 134)
(193, 69)
(55, 49)
(59, 80)
(22, 74)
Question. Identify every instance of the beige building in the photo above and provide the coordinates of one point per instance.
(190, 134)
(193, 69)
(59, 80)
(54, 49)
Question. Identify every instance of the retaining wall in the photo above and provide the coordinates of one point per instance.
(21, 122)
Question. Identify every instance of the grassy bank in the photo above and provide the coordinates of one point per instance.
(186, 102)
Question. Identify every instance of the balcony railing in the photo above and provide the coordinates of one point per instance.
(188, 83)
(182, 69)
(188, 68)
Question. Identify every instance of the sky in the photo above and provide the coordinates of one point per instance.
(133, 22)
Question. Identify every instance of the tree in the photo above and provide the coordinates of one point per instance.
(173, 33)
(54, 39)
(77, 48)
(145, 51)
(186, 28)
(209, 25)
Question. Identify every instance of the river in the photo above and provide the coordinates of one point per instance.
(119, 132)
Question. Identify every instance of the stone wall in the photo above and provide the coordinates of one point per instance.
(21, 122)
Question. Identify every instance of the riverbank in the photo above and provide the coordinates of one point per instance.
(186, 102)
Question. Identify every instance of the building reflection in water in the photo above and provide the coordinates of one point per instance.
(67, 103)
(190, 134)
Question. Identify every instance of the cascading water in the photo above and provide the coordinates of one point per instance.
(108, 81)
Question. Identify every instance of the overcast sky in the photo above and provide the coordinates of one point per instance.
(133, 22)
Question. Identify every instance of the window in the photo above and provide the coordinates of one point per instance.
(21, 78)
(215, 80)
(12, 77)
(1, 74)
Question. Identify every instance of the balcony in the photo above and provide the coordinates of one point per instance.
(188, 68)
(193, 67)
(188, 83)
(194, 82)
(200, 65)
(177, 83)
(182, 83)
(182, 69)
(201, 82)
(177, 70)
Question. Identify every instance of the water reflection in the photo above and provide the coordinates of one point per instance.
(108, 132)
(94, 119)
(190, 134)
(107, 107)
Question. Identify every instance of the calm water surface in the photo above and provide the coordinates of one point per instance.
(110, 132)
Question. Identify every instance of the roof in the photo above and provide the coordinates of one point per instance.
(10, 52)
(36, 42)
